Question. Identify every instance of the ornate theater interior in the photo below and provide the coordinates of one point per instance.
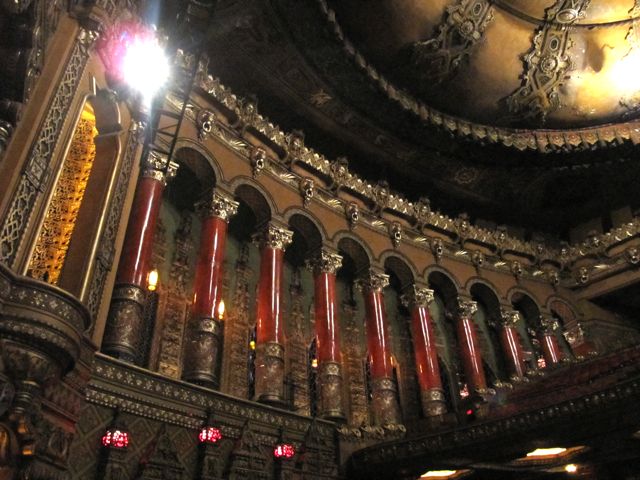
(320, 239)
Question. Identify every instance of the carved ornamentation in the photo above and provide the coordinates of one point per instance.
(221, 206)
(326, 262)
(163, 463)
(632, 255)
(126, 319)
(548, 62)
(418, 296)
(437, 248)
(205, 123)
(297, 347)
(548, 324)
(395, 233)
(516, 269)
(354, 374)
(477, 258)
(582, 275)
(352, 213)
(203, 349)
(509, 318)
(458, 34)
(372, 281)
(258, 161)
(307, 190)
(55, 235)
(270, 372)
(274, 236)
(339, 172)
(466, 308)
(381, 194)
(37, 167)
(158, 167)
(422, 212)
(384, 403)
(433, 402)
(330, 390)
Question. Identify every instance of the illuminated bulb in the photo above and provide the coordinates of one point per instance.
(145, 67)
(314, 363)
(152, 281)
(439, 474)
(221, 310)
(545, 452)
(210, 435)
(571, 468)
(252, 344)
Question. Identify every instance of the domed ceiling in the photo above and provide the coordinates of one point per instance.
(524, 112)
(506, 63)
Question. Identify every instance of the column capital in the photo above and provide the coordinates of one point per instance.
(275, 236)
(220, 205)
(466, 307)
(548, 324)
(418, 296)
(509, 318)
(372, 280)
(325, 261)
(157, 166)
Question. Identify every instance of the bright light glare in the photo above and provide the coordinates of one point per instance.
(545, 452)
(221, 310)
(626, 72)
(571, 468)
(145, 67)
(439, 474)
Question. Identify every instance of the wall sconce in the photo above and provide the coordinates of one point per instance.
(221, 309)
(115, 438)
(152, 280)
(284, 451)
(210, 435)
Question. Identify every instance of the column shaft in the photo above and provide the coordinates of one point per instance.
(202, 355)
(384, 402)
(426, 353)
(548, 341)
(470, 347)
(125, 323)
(511, 346)
(328, 335)
(269, 322)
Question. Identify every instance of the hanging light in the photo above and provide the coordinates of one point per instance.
(115, 438)
(152, 280)
(221, 310)
(210, 435)
(284, 451)
(571, 468)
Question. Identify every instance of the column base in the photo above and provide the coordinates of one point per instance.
(125, 324)
(386, 410)
(270, 373)
(330, 394)
(202, 352)
(433, 402)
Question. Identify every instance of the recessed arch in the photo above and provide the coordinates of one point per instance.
(194, 180)
(356, 258)
(256, 198)
(401, 270)
(307, 239)
(526, 304)
(187, 143)
(314, 223)
(562, 309)
(443, 283)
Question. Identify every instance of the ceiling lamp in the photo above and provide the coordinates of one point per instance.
(546, 452)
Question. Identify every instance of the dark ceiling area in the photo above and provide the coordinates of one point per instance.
(321, 71)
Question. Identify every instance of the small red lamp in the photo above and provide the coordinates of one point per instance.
(210, 435)
(115, 438)
(284, 451)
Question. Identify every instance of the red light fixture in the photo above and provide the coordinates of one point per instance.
(284, 451)
(210, 435)
(115, 438)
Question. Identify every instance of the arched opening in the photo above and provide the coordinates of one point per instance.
(527, 328)
(443, 310)
(487, 320)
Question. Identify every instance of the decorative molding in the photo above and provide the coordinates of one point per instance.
(276, 237)
(326, 261)
(221, 206)
(548, 62)
(418, 297)
(372, 281)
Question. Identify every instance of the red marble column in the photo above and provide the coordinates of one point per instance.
(470, 347)
(386, 410)
(270, 322)
(511, 345)
(426, 353)
(325, 267)
(548, 341)
(205, 330)
(125, 322)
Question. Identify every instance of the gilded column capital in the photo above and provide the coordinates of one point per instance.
(275, 236)
(220, 205)
(548, 324)
(372, 281)
(326, 261)
(466, 307)
(509, 318)
(157, 166)
(417, 296)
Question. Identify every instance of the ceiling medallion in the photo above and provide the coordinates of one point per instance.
(547, 63)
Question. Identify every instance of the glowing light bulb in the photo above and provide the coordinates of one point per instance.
(145, 66)
(152, 281)
(545, 452)
(221, 310)
(571, 468)
(439, 474)
(252, 344)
